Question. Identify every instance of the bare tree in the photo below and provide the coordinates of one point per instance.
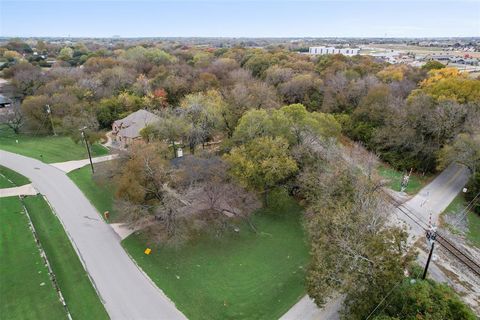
(13, 117)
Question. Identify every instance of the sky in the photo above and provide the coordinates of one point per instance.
(231, 18)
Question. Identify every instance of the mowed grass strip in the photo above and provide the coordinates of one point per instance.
(78, 291)
(26, 291)
(101, 196)
(48, 149)
(395, 177)
(5, 183)
(243, 275)
(7, 174)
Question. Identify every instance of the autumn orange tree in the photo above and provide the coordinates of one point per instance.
(450, 84)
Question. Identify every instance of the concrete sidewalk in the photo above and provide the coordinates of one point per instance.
(77, 164)
(25, 190)
(307, 309)
(122, 230)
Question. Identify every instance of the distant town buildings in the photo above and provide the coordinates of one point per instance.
(333, 50)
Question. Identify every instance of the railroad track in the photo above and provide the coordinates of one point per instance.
(459, 254)
(441, 240)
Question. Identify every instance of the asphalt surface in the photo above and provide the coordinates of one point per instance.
(125, 290)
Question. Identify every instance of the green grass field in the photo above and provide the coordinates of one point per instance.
(4, 183)
(81, 298)
(100, 196)
(394, 177)
(240, 276)
(48, 149)
(474, 228)
(473, 220)
(16, 179)
(26, 291)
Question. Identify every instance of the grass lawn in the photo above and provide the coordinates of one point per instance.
(395, 177)
(100, 196)
(48, 149)
(473, 220)
(474, 228)
(7, 174)
(26, 291)
(457, 205)
(4, 181)
(81, 298)
(241, 276)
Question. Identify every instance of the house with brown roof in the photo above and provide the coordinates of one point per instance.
(127, 130)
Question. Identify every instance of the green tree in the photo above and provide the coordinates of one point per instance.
(111, 109)
(465, 150)
(353, 249)
(259, 62)
(203, 112)
(303, 123)
(35, 112)
(433, 65)
(262, 164)
(424, 299)
(473, 188)
(172, 129)
(261, 123)
(65, 54)
(292, 122)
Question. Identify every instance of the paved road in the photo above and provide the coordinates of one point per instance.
(432, 200)
(126, 292)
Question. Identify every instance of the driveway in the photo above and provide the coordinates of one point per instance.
(125, 290)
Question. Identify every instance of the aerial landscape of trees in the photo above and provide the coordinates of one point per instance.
(255, 121)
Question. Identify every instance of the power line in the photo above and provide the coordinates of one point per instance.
(442, 240)
(399, 205)
(384, 298)
(389, 293)
(387, 304)
(467, 209)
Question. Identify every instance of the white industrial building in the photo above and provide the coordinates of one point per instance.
(333, 50)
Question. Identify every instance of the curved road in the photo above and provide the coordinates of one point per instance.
(125, 290)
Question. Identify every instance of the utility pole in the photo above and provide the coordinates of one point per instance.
(431, 235)
(49, 112)
(88, 148)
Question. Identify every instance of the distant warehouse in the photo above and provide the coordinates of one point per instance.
(333, 50)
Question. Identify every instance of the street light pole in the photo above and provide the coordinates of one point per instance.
(49, 111)
(88, 148)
